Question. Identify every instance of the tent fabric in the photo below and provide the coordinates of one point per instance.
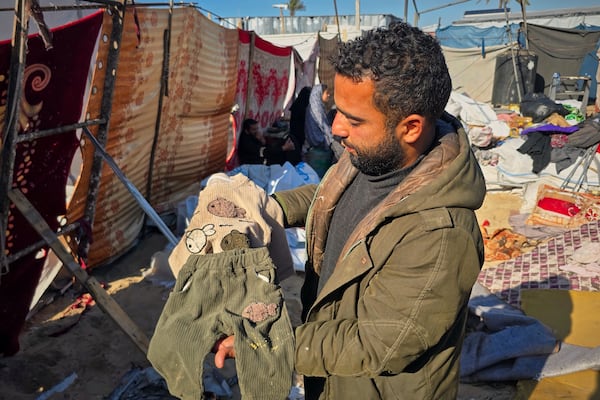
(52, 96)
(589, 66)
(597, 104)
(468, 36)
(263, 77)
(191, 141)
(560, 50)
(471, 73)
(327, 49)
(268, 79)
(305, 70)
(241, 94)
(559, 18)
(471, 50)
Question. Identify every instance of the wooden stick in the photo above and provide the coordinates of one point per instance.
(102, 298)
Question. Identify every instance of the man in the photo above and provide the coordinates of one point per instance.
(393, 243)
(317, 127)
(322, 148)
(298, 115)
(254, 149)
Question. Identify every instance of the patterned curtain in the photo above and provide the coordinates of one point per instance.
(54, 83)
(268, 79)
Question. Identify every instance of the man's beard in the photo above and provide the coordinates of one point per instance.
(387, 157)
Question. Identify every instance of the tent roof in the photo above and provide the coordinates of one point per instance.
(561, 18)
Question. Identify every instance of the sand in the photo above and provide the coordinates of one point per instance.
(82, 347)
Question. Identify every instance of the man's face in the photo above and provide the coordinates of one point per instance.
(326, 96)
(373, 149)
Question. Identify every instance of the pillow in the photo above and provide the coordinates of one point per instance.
(562, 208)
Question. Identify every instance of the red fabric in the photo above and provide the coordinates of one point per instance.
(245, 36)
(263, 80)
(53, 87)
(268, 80)
(559, 206)
(232, 160)
(271, 48)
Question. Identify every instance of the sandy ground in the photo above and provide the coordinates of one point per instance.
(82, 347)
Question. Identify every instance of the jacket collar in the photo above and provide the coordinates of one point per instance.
(341, 174)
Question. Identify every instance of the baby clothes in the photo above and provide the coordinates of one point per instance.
(234, 204)
(222, 294)
(228, 264)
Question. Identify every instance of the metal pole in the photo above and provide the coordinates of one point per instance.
(416, 20)
(512, 55)
(11, 121)
(132, 189)
(118, 16)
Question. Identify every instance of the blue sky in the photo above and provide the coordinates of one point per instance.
(254, 8)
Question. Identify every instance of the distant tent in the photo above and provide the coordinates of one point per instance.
(565, 41)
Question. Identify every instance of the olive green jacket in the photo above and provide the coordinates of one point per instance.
(389, 323)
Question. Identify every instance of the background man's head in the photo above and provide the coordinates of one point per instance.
(326, 95)
(250, 126)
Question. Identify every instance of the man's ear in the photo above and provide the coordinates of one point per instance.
(412, 127)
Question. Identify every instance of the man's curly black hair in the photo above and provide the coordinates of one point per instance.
(407, 67)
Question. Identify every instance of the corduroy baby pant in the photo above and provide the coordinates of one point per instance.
(222, 294)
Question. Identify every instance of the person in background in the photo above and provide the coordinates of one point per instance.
(393, 243)
(254, 149)
(317, 129)
(298, 115)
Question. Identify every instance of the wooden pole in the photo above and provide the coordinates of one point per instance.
(102, 298)
(357, 15)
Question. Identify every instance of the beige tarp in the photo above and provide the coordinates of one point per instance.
(471, 72)
(191, 142)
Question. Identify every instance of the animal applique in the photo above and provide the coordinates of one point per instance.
(224, 208)
(235, 240)
(195, 240)
(257, 312)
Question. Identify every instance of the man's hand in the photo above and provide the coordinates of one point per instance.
(223, 349)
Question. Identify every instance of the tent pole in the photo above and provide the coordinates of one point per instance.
(105, 302)
(357, 15)
(524, 12)
(512, 54)
(132, 189)
(112, 62)
(337, 21)
(11, 120)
